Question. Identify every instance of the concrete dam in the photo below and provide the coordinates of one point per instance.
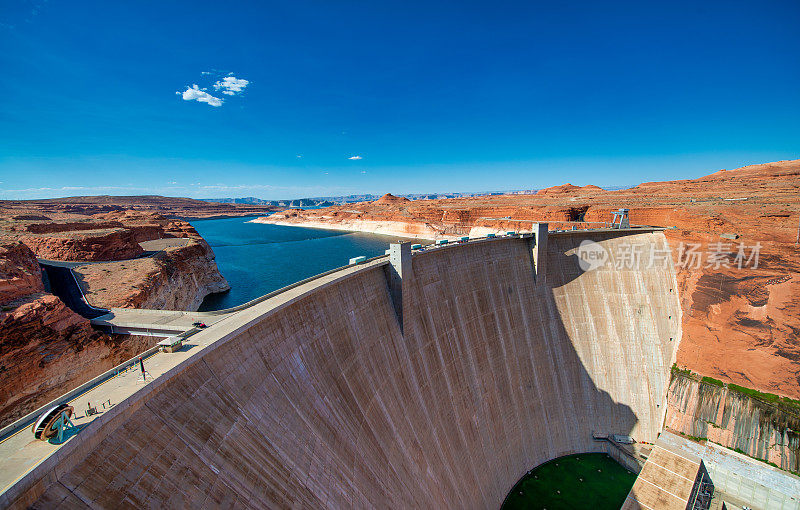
(432, 380)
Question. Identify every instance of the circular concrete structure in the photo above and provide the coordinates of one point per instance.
(348, 396)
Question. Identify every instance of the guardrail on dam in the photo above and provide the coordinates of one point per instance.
(326, 401)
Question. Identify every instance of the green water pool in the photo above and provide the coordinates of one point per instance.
(587, 480)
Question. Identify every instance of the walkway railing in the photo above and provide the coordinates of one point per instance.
(28, 419)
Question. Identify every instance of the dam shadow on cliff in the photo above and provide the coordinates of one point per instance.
(327, 402)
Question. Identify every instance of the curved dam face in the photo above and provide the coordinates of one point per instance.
(331, 400)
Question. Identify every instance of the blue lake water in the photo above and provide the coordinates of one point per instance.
(257, 258)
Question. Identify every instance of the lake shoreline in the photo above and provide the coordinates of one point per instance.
(389, 228)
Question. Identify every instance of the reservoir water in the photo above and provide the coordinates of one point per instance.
(257, 258)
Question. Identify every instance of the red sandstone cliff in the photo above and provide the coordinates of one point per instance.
(92, 245)
(19, 273)
(46, 348)
(177, 272)
(175, 279)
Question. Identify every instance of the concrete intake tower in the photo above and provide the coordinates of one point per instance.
(436, 379)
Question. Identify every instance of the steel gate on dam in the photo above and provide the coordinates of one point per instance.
(426, 379)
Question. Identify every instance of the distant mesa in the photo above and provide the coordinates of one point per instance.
(563, 188)
(568, 188)
(391, 199)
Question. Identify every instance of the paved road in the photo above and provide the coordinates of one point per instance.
(152, 322)
(157, 245)
(123, 320)
(20, 452)
(63, 285)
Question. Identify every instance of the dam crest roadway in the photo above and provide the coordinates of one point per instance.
(459, 367)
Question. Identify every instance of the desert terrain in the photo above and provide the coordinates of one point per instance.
(171, 207)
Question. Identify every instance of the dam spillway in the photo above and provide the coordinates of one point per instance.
(329, 401)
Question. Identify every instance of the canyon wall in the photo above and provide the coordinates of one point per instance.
(325, 401)
(174, 207)
(92, 245)
(45, 348)
(742, 325)
(759, 429)
(20, 275)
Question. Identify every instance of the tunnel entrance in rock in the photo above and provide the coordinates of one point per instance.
(577, 213)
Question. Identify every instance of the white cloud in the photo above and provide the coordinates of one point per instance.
(355, 157)
(194, 93)
(231, 85)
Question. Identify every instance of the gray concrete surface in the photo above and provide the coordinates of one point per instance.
(746, 480)
(152, 322)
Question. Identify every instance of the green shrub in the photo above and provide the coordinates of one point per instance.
(771, 398)
(711, 380)
(680, 371)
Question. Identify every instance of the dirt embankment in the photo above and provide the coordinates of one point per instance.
(740, 324)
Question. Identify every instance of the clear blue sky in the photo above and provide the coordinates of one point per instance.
(98, 97)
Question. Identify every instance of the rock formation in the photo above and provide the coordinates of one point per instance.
(91, 245)
(760, 429)
(391, 199)
(19, 273)
(175, 279)
(46, 348)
